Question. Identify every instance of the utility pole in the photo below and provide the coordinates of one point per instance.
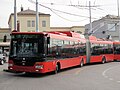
(87, 36)
(90, 17)
(118, 7)
(118, 18)
(37, 17)
(15, 16)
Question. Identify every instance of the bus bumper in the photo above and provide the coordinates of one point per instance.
(30, 69)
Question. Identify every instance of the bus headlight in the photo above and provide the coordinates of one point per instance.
(39, 66)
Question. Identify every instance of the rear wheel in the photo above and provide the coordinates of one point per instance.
(81, 63)
(57, 69)
(103, 60)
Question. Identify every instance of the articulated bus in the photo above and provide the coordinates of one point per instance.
(42, 52)
(116, 51)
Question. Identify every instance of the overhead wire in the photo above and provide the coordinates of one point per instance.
(94, 7)
(60, 10)
(53, 10)
(76, 6)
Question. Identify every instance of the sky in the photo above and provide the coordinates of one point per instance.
(63, 12)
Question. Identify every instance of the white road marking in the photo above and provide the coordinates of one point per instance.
(104, 73)
(111, 79)
(106, 76)
(78, 71)
(118, 81)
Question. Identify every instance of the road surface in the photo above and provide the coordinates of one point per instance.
(90, 77)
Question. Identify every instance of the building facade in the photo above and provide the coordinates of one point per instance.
(105, 27)
(26, 21)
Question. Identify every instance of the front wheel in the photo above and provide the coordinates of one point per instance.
(56, 69)
(2, 62)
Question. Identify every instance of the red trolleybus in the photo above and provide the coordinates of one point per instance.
(45, 52)
(116, 50)
(100, 51)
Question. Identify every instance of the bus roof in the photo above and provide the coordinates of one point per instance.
(29, 33)
(69, 33)
(92, 38)
(101, 42)
(58, 35)
(116, 42)
(66, 38)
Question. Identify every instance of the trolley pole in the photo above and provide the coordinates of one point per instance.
(15, 16)
(37, 17)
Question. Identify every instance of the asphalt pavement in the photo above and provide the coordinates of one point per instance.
(90, 77)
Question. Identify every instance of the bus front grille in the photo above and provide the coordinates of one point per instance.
(24, 61)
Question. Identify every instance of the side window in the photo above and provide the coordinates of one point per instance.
(110, 48)
(55, 46)
(65, 49)
(117, 49)
(82, 48)
(96, 49)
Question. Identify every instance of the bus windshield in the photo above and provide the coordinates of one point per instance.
(26, 45)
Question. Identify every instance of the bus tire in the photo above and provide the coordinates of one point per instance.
(115, 60)
(103, 60)
(2, 62)
(57, 69)
(81, 63)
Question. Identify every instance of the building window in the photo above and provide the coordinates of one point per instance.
(111, 27)
(28, 23)
(33, 23)
(43, 23)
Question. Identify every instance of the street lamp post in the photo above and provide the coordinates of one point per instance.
(37, 17)
(118, 7)
(90, 16)
(15, 16)
(118, 18)
(87, 36)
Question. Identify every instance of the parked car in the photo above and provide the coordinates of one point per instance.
(2, 58)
